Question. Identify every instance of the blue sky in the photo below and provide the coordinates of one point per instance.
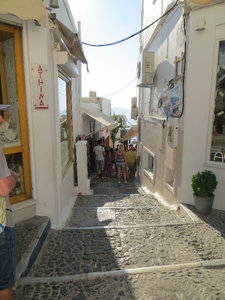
(111, 68)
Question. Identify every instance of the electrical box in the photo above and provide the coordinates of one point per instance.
(172, 132)
(145, 70)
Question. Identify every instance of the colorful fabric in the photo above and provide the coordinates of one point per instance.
(2, 214)
(120, 157)
(131, 156)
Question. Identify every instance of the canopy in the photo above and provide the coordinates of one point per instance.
(25, 10)
(101, 118)
(69, 39)
(131, 133)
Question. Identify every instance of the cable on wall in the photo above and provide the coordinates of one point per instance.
(184, 69)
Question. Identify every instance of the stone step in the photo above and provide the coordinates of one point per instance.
(116, 200)
(31, 235)
(110, 186)
(117, 216)
(70, 252)
(182, 283)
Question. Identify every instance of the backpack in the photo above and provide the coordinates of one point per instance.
(2, 214)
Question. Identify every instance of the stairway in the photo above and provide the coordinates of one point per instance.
(121, 244)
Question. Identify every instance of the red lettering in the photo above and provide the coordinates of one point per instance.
(41, 103)
(40, 69)
(41, 96)
(40, 82)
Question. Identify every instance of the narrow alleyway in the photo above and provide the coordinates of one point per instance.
(121, 244)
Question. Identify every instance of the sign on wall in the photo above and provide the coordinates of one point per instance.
(39, 86)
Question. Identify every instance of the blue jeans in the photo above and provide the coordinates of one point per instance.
(7, 258)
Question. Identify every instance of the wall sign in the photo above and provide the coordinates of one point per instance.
(39, 86)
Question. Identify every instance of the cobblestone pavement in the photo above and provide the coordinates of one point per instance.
(25, 231)
(125, 245)
(193, 284)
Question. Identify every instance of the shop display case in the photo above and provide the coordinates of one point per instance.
(13, 131)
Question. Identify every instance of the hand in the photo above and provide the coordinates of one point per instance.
(14, 174)
(1, 119)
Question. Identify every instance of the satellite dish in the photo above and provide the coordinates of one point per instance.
(201, 2)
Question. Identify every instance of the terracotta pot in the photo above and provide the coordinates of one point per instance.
(203, 204)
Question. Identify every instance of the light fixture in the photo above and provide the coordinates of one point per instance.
(200, 25)
(54, 4)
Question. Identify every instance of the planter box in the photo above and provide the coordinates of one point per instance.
(203, 204)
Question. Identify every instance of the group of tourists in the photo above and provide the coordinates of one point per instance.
(108, 159)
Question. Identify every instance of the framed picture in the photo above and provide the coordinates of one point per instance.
(175, 96)
(179, 66)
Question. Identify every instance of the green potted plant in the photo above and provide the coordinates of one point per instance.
(203, 184)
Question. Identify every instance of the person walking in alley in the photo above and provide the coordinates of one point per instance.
(120, 159)
(99, 153)
(108, 161)
(131, 156)
(8, 179)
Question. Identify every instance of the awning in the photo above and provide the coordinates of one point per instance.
(69, 39)
(101, 118)
(25, 10)
(131, 133)
(67, 63)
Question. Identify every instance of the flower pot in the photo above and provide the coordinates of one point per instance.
(203, 204)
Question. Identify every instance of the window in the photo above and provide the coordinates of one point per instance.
(13, 132)
(169, 178)
(218, 132)
(65, 122)
(149, 163)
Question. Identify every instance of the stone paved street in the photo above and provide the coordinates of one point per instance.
(121, 244)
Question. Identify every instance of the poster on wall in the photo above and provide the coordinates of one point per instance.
(39, 86)
(172, 105)
(175, 96)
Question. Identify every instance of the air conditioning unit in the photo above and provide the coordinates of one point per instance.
(145, 70)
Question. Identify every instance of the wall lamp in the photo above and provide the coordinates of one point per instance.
(200, 25)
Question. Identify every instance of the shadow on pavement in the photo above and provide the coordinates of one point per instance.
(75, 251)
(215, 219)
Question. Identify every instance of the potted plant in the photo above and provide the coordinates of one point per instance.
(203, 184)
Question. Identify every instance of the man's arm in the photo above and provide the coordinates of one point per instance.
(8, 183)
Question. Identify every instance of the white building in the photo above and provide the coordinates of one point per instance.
(97, 121)
(182, 97)
(40, 58)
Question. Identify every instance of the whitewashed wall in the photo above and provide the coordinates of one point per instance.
(168, 42)
(151, 10)
(54, 194)
(200, 93)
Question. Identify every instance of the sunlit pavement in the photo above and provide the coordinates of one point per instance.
(121, 244)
